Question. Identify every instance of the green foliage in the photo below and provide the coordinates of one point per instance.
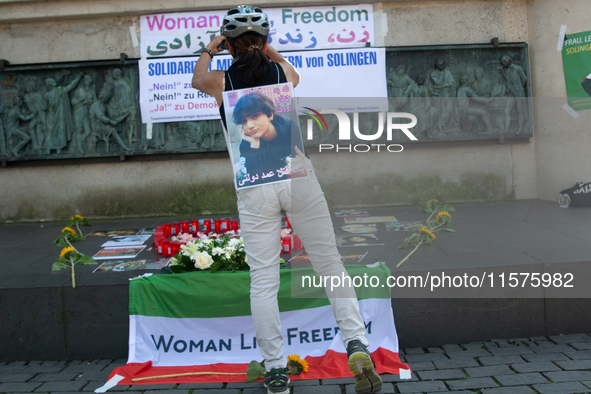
(66, 238)
(60, 264)
(413, 238)
(86, 260)
(214, 254)
(78, 221)
(69, 256)
(294, 367)
(442, 222)
(254, 371)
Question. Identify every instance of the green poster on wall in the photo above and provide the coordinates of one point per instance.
(576, 58)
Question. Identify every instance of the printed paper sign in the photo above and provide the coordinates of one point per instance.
(576, 58)
(358, 240)
(166, 94)
(300, 28)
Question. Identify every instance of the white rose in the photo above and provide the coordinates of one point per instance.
(202, 260)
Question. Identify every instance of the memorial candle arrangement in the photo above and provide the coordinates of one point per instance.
(169, 237)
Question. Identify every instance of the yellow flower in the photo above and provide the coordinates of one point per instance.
(428, 232)
(69, 229)
(442, 213)
(67, 250)
(436, 200)
(296, 359)
(77, 217)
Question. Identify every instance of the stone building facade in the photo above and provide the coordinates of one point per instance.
(40, 32)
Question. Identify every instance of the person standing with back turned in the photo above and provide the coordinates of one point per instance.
(244, 32)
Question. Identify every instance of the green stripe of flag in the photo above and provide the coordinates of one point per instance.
(226, 294)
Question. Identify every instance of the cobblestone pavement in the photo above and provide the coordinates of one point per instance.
(543, 365)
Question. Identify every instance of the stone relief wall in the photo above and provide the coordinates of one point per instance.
(457, 93)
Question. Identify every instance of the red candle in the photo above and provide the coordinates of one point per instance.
(217, 226)
(226, 225)
(185, 227)
(176, 248)
(194, 226)
(176, 228)
(207, 226)
(235, 224)
(297, 243)
(165, 246)
(287, 224)
(287, 244)
(167, 230)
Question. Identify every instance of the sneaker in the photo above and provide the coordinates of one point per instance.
(277, 381)
(367, 381)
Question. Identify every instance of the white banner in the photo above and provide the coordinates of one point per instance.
(299, 28)
(166, 94)
(307, 332)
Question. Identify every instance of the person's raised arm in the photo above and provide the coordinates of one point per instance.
(291, 73)
(209, 82)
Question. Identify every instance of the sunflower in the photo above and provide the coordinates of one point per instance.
(69, 229)
(428, 232)
(443, 213)
(297, 364)
(77, 217)
(67, 250)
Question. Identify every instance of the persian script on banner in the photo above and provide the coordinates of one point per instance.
(301, 28)
(263, 135)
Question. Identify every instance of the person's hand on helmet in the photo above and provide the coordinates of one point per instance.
(215, 44)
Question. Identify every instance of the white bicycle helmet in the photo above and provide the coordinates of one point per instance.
(243, 19)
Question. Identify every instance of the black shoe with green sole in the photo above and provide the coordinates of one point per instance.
(367, 381)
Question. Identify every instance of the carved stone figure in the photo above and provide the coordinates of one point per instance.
(3, 147)
(102, 126)
(194, 132)
(481, 86)
(468, 112)
(442, 86)
(60, 124)
(158, 137)
(38, 106)
(398, 82)
(515, 82)
(14, 117)
(83, 98)
(420, 106)
(122, 102)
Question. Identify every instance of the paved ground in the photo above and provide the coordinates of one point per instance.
(543, 365)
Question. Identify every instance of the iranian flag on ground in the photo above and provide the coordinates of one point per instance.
(200, 322)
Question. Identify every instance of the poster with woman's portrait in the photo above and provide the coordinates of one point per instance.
(263, 135)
